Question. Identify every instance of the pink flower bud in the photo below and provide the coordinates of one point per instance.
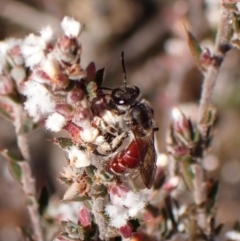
(82, 117)
(125, 231)
(73, 130)
(180, 151)
(16, 56)
(41, 76)
(75, 96)
(75, 72)
(84, 218)
(6, 86)
(181, 125)
(206, 57)
(117, 193)
(65, 110)
(68, 50)
(64, 43)
(180, 121)
(171, 184)
(99, 104)
(60, 81)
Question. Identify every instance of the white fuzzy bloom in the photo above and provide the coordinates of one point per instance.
(89, 134)
(47, 34)
(135, 203)
(62, 211)
(12, 42)
(32, 49)
(39, 100)
(55, 122)
(126, 205)
(78, 158)
(233, 235)
(71, 27)
(118, 215)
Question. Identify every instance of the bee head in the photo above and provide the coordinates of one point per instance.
(125, 96)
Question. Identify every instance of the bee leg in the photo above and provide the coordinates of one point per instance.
(109, 147)
(118, 141)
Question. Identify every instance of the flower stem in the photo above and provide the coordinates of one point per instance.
(28, 182)
(222, 46)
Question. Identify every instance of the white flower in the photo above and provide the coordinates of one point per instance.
(118, 215)
(47, 34)
(233, 235)
(55, 122)
(126, 205)
(89, 134)
(13, 42)
(32, 49)
(71, 27)
(62, 211)
(135, 202)
(78, 158)
(39, 100)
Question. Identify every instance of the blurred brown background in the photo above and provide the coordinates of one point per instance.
(151, 33)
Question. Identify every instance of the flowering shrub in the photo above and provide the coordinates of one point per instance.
(116, 186)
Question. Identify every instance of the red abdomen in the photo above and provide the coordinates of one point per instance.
(128, 158)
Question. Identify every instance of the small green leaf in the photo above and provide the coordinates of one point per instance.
(15, 170)
(194, 48)
(187, 175)
(90, 170)
(209, 116)
(5, 114)
(79, 199)
(27, 126)
(92, 89)
(64, 143)
(99, 190)
(13, 163)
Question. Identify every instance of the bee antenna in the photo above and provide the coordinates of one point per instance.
(124, 69)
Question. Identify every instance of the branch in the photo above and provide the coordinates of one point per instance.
(222, 46)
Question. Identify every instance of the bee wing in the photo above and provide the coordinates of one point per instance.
(148, 158)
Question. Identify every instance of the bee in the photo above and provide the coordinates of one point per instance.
(138, 122)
